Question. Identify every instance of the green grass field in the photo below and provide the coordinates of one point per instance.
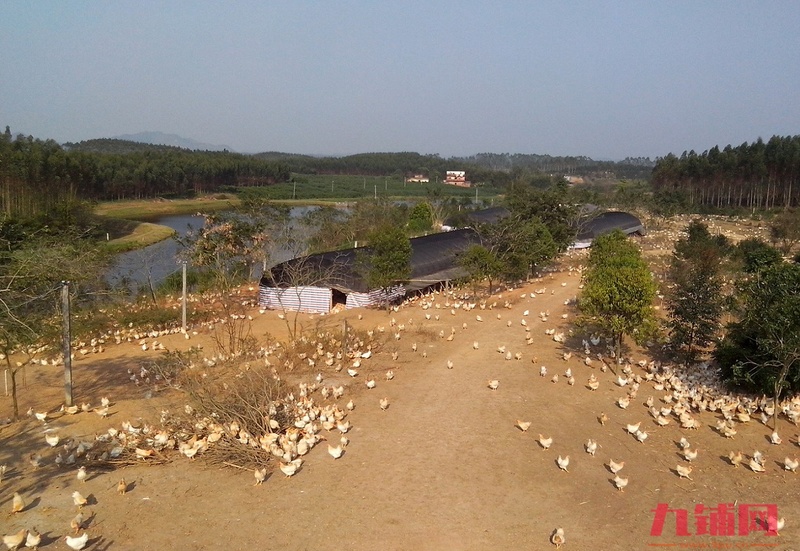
(349, 188)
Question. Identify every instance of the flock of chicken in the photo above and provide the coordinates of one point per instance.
(32, 538)
(685, 392)
(144, 441)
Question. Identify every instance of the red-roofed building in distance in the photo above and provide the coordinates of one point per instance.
(457, 178)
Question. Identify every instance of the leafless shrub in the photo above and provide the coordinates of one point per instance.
(233, 334)
(246, 400)
(169, 369)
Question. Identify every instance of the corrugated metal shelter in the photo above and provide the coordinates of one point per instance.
(304, 298)
(433, 261)
(610, 221)
(606, 222)
(489, 215)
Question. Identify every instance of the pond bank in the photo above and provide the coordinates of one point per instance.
(133, 218)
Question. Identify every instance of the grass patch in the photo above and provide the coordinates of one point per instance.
(343, 188)
(141, 234)
(144, 209)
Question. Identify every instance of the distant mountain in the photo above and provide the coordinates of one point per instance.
(159, 138)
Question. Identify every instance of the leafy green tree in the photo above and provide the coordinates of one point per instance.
(420, 219)
(761, 350)
(369, 216)
(785, 230)
(618, 290)
(522, 246)
(550, 207)
(695, 301)
(387, 261)
(667, 203)
(629, 194)
(755, 255)
(481, 264)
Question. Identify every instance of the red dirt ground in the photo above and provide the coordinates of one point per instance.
(444, 467)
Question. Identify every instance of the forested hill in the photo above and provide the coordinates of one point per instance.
(111, 145)
(479, 167)
(38, 176)
(631, 168)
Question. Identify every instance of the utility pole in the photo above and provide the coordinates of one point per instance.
(67, 344)
(183, 300)
(376, 191)
(294, 190)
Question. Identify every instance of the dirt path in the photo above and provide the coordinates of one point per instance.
(443, 467)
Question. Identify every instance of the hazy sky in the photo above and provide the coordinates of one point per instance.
(602, 79)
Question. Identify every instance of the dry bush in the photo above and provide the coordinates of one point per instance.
(168, 370)
(325, 349)
(233, 333)
(247, 399)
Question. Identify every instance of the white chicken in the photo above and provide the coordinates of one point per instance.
(557, 538)
(78, 499)
(33, 539)
(260, 475)
(615, 467)
(13, 541)
(290, 468)
(77, 543)
(523, 425)
(689, 454)
(633, 429)
(335, 452)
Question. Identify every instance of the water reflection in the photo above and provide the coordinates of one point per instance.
(153, 264)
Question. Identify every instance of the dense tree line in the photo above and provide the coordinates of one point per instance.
(630, 167)
(37, 176)
(757, 350)
(389, 164)
(756, 175)
(499, 169)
